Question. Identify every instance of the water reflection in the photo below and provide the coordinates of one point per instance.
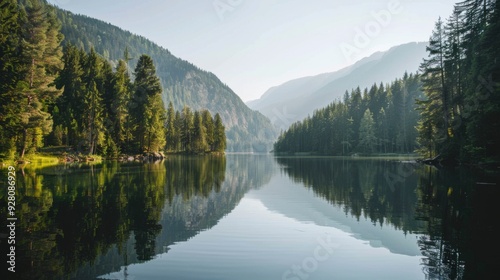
(82, 221)
(365, 187)
(69, 215)
(458, 208)
(120, 220)
(447, 209)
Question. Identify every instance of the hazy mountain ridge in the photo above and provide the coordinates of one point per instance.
(183, 83)
(294, 100)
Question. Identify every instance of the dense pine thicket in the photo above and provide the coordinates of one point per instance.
(381, 119)
(458, 114)
(461, 80)
(117, 115)
(30, 59)
(76, 98)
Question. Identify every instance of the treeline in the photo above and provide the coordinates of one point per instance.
(118, 116)
(194, 132)
(101, 111)
(74, 98)
(381, 119)
(183, 83)
(457, 116)
(461, 80)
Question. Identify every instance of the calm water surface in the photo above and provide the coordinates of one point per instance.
(253, 217)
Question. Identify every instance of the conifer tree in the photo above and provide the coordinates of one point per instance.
(433, 79)
(155, 124)
(71, 113)
(93, 105)
(41, 59)
(382, 133)
(219, 134)
(367, 137)
(199, 142)
(147, 109)
(10, 75)
(208, 124)
(178, 122)
(186, 130)
(119, 111)
(172, 137)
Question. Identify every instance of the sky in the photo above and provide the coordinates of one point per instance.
(253, 45)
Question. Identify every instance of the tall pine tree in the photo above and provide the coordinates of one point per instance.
(41, 59)
(10, 76)
(147, 109)
(219, 134)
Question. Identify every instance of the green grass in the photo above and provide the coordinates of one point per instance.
(41, 160)
(47, 156)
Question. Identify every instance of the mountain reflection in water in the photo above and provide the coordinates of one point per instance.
(218, 217)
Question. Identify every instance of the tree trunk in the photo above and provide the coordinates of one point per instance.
(25, 136)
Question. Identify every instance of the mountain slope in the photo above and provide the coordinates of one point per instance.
(294, 100)
(183, 83)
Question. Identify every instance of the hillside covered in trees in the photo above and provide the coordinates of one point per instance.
(183, 83)
(51, 96)
(381, 119)
(450, 109)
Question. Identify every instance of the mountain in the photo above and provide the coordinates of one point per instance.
(183, 83)
(295, 99)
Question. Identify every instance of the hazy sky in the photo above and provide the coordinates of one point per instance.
(252, 45)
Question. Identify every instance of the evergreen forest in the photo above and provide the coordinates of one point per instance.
(376, 120)
(448, 110)
(55, 94)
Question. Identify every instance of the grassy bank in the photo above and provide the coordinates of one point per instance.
(49, 156)
(33, 161)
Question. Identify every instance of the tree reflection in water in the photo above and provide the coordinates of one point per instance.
(452, 214)
(69, 215)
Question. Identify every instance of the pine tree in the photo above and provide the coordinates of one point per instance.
(10, 76)
(146, 107)
(434, 86)
(208, 124)
(178, 122)
(382, 131)
(93, 105)
(172, 137)
(367, 137)
(119, 111)
(219, 134)
(42, 60)
(199, 142)
(482, 110)
(71, 113)
(186, 130)
(155, 124)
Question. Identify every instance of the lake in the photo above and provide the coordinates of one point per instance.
(253, 217)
